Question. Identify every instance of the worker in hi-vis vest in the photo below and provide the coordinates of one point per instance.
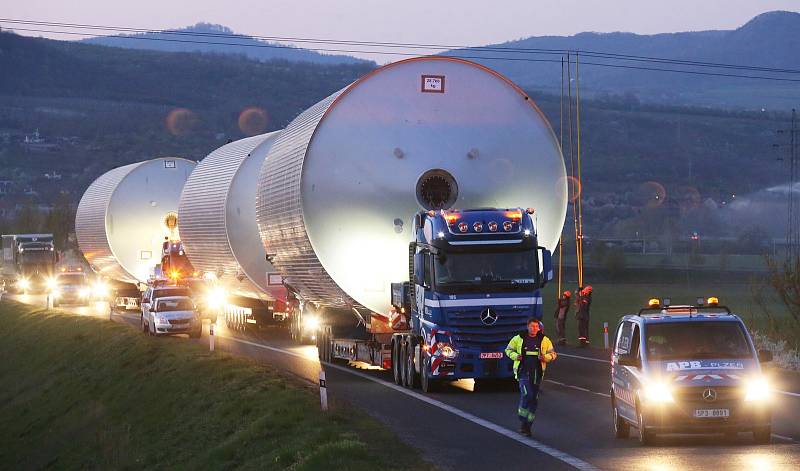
(531, 351)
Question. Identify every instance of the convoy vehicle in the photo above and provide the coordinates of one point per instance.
(153, 293)
(688, 368)
(71, 287)
(29, 261)
(174, 314)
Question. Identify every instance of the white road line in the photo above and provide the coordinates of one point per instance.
(577, 388)
(573, 461)
(787, 393)
(783, 437)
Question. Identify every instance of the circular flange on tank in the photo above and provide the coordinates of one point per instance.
(124, 215)
(342, 183)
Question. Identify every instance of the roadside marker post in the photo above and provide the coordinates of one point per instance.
(605, 334)
(211, 337)
(323, 390)
(49, 301)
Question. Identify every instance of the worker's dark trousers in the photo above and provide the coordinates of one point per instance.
(583, 330)
(561, 327)
(528, 398)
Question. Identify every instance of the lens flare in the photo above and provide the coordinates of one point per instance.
(651, 194)
(574, 187)
(181, 122)
(253, 120)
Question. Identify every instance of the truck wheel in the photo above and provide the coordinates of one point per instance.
(621, 427)
(398, 379)
(412, 380)
(646, 437)
(763, 435)
(427, 383)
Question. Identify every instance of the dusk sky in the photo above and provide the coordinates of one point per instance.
(468, 22)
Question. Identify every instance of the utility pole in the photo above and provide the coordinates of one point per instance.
(793, 211)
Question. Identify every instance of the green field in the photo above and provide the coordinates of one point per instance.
(611, 301)
(81, 392)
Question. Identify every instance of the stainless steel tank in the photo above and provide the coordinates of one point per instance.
(217, 214)
(340, 186)
(125, 214)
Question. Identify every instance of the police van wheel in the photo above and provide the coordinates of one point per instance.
(645, 437)
(396, 362)
(622, 428)
(763, 435)
(427, 383)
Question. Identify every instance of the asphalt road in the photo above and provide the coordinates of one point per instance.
(459, 428)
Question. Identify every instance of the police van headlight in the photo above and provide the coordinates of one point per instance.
(757, 389)
(657, 392)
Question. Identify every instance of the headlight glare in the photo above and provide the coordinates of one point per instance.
(757, 389)
(311, 323)
(658, 392)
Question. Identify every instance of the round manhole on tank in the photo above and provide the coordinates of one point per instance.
(437, 189)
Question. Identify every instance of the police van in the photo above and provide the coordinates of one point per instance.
(688, 369)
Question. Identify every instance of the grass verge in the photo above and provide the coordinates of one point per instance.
(81, 392)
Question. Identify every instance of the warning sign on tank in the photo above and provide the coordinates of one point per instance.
(433, 83)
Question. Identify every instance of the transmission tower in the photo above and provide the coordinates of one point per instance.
(793, 212)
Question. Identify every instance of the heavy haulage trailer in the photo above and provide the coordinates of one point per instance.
(333, 224)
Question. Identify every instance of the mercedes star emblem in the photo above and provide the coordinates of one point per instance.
(488, 317)
(709, 395)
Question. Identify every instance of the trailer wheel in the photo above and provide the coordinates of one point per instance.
(411, 380)
(398, 380)
(401, 363)
(427, 383)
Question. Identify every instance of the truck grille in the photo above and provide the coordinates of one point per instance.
(467, 330)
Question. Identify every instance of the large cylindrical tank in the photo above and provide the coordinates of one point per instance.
(217, 213)
(125, 214)
(338, 191)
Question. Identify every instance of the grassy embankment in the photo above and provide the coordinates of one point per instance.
(87, 393)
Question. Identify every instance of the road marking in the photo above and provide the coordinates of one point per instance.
(783, 437)
(787, 393)
(573, 461)
(577, 387)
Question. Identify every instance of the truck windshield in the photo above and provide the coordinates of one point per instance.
(71, 280)
(694, 340)
(39, 257)
(501, 270)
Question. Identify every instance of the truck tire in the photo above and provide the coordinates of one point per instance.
(427, 383)
(763, 435)
(398, 379)
(411, 380)
(622, 428)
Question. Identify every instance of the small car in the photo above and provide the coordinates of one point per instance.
(70, 288)
(173, 315)
(152, 293)
(688, 369)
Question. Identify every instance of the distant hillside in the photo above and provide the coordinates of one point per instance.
(238, 45)
(768, 40)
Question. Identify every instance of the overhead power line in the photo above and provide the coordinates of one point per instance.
(505, 50)
(69, 29)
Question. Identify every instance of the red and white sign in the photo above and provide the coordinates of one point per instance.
(433, 83)
(494, 355)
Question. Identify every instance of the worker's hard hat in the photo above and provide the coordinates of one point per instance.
(588, 289)
(567, 294)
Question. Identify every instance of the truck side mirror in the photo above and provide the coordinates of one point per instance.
(546, 259)
(764, 356)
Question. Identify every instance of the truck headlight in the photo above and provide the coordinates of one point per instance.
(658, 392)
(56, 293)
(311, 323)
(52, 285)
(84, 292)
(215, 298)
(100, 290)
(757, 389)
(24, 283)
(446, 350)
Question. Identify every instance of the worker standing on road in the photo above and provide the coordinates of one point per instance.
(583, 303)
(562, 309)
(531, 351)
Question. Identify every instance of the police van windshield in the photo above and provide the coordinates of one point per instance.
(690, 340)
(495, 269)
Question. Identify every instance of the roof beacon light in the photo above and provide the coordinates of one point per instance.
(713, 301)
(451, 218)
(515, 216)
(654, 302)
